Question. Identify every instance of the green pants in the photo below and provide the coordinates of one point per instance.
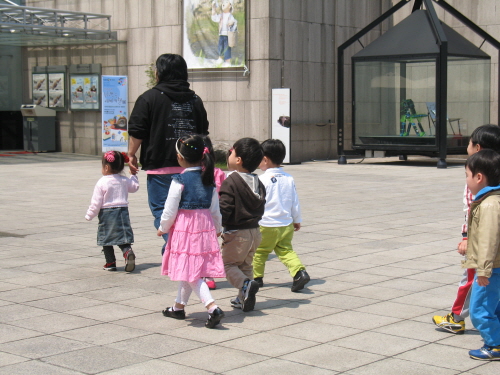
(279, 240)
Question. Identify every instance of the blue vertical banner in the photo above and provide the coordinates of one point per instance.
(114, 113)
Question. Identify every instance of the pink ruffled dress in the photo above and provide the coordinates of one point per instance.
(192, 250)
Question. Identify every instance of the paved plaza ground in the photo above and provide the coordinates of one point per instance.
(378, 240)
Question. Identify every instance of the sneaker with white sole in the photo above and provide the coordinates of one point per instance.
(109, 266)
(486, 353)
(236, 303)
(250, 289)
(449, 323)
(129, 260)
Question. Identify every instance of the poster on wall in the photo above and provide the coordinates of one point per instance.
(214, 33)
(56, 90)
(114, 113)
(84, 91)
(281, 118)
(40, 94)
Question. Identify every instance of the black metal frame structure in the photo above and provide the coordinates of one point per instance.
(30, 26)
(441, 71)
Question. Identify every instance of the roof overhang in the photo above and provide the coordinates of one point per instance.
(414, 38)
(39, 27)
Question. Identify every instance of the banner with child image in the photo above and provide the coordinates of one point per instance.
(214, 33)
(114, 113)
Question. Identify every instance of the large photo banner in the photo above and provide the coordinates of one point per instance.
(214, 33)
(114, 113)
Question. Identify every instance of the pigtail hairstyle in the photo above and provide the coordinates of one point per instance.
(193, 150)
(116, 160)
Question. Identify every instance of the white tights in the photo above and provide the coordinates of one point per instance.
(199, 286)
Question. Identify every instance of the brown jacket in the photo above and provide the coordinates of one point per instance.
(240, 207)
(483, 245)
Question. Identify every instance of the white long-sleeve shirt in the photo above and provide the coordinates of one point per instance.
(111, 191)
(282, 201)
(172, 206)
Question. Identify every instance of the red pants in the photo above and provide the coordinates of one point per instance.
(461, 304)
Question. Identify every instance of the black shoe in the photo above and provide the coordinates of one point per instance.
(259, 281)
(170, 313)
(214, 318)
(248, 303)
(300, 279)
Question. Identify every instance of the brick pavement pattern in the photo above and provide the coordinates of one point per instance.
(378, 240)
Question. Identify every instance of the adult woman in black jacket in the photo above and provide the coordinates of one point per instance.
(160, 116)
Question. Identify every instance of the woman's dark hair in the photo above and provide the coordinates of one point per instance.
(171, 67)
(275, 150)
(487, 136)
(250, 151)
(115, 160)
(486, 162)
(192, 149)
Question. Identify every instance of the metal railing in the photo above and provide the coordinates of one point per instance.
(52, 22)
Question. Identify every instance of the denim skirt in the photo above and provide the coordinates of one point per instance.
(114, 227)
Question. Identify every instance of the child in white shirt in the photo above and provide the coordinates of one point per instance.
(281, 217)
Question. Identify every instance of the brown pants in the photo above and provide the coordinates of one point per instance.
(238, 248)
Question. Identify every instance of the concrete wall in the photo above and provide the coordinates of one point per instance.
(292, 43)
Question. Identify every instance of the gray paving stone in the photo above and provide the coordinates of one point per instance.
(95, 360)
(155, 366)
(391, 366)
(156, 345)
(41, 346)
(331, 357)
(380, 269)
(232, 359)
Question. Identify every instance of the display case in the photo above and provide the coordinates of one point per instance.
(395, 103)
(421, 88)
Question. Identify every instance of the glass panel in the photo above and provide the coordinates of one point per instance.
(395, 101)
(468, 95)
(390, 103)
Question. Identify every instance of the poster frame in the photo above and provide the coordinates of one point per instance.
(118, 109)
(46, 72)
(281, 119)
(216, 66)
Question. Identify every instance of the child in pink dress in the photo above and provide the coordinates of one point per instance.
(192, 219)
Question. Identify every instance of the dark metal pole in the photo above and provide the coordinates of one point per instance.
(340, 107)
(441, 84)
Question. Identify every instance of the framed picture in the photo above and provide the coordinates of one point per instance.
(85, 91)
(49, 86)
(214, 33)
(40, 93)
(56, 89)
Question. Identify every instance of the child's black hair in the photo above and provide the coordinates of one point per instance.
(250, 151)
(487, 136)
(486, 162)
(208, 144)
(274, 150)
(192, 149)
(115, 160)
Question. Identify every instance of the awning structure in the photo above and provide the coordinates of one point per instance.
(414, 37)
(37, 27)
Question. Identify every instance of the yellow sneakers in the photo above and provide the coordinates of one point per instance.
(449, 324)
